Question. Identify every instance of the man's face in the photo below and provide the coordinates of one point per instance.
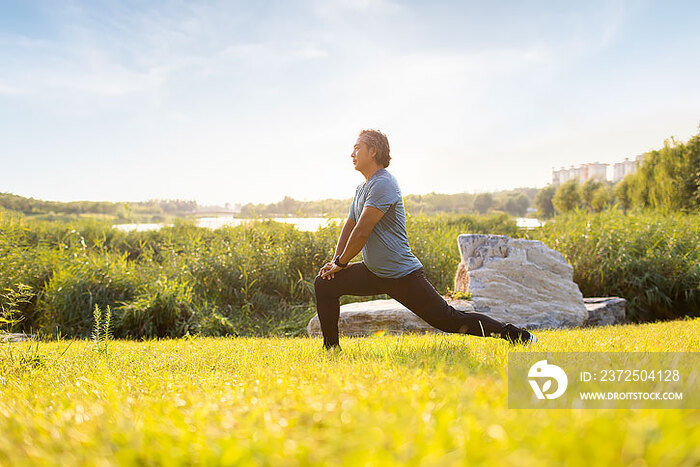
(361, 155)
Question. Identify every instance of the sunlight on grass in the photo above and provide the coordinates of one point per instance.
(428, 399)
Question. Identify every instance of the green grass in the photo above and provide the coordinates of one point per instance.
(412, 399)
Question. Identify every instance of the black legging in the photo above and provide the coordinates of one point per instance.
(413, 291)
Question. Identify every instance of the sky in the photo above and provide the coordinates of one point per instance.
(251, 101)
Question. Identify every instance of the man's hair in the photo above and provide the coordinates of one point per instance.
(377, 140)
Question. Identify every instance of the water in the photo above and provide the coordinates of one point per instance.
(137, 227)
(528, 223)
(307, 224)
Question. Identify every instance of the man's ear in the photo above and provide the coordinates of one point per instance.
(373, 153)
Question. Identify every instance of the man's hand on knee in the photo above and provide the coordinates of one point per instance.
(330, 273)
(325, 268)
(329, 270)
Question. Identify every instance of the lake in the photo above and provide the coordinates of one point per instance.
(307, 224)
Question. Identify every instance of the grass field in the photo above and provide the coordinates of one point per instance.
(409, 400)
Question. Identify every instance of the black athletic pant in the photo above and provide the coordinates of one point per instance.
(413, 291)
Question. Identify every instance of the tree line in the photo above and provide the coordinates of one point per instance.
(514, 202)
(120, 210)
(667, 179)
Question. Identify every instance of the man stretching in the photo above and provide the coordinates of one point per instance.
(376, 225)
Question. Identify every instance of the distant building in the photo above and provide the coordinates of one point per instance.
(594, 171)
(564, 175)
(582, 173)
(622, 169)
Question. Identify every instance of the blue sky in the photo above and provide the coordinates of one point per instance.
(251, 101)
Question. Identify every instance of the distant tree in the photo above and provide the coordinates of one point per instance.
(437, 202)
(621, 192)
(516, 204)
(543, 201)
(523, 203)
(697, 192)
(568, 196)
(668, 178)
(483, 202)
(510, 206)
(123, 212)
(601, 198)
(288, 205)
(690, 174)
(588, 189)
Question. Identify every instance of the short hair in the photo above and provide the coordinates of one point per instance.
(380, 143)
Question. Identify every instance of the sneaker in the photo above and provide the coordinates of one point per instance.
(533, 338)
(332, 347)
(515, 335)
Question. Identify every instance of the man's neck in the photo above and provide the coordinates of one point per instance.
(368, 174)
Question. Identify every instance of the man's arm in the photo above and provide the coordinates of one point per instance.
(356, 240)
(344, 235)
(342, 242)
(360, 233)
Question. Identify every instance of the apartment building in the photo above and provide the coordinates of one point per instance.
(582, 173)
(628, 166)
(596, 170)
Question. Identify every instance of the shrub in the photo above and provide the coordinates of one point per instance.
(68, 300)
(650, 259)
(217, 326)
(567, 197)
(256, 279)
(166, 308)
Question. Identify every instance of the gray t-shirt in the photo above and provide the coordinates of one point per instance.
(386, 253)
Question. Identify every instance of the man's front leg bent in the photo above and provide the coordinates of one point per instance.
(328, 310)
(353, 280)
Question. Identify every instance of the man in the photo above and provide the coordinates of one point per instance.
(376, 225)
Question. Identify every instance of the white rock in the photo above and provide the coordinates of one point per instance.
(16, 337)
(519, 281)
(605, 311)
